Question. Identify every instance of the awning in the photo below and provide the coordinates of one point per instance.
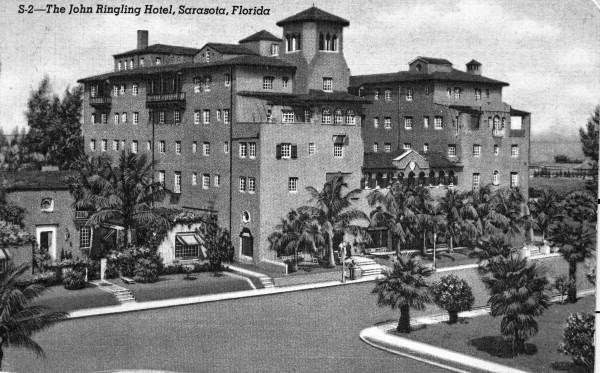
(340, 140)
(4, 254)
(188, 239)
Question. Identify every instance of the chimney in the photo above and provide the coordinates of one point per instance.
(474, 67)
(142, 39)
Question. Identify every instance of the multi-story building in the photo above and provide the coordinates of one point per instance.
(239, 130)
(439, 126)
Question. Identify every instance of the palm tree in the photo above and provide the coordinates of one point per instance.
(296, 232)
(518, 294)
(124, 192)
(451, 205)
(506, 212)
(543, 209)
(404, 287)
(19, 320)
(333, 212)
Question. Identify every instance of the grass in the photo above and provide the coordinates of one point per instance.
(61, 299)
(561, 185)
(480, 337)
(176, 286)
(444, 259)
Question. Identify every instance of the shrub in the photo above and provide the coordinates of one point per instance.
(562, 285)
(452, 294)
(44, 278)
(74, 279)
(178, 268)
(135, 259)
(578, 339)
(146, 270)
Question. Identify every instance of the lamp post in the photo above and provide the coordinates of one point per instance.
(342, 257)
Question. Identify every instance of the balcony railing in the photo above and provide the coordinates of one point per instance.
(498, 133)
(100, 101)
(166, 97)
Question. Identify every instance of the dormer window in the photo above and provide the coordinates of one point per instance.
(328, 84)
(47, 205)
(457, 92)
(274, 49)
(419, 67)
(350, 117)
(119, 66)
(338, 117)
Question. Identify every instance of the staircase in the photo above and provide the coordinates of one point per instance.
(367, 266)
(122, 294)
(266, 281)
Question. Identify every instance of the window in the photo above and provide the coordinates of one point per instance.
(207, 81)
(177, 147)
(514, 179)
(206, 117)
(425, 122)
(350, 118)
(476, 150)
(104, 118)
(242, 184)
(136, 117)
(217, 180)
(338, 150)
(157, 61)
(187, 245)
(286, 151)
(85, 237)
(226, 116)
(409, 94)
(197, 117)
(338, 116)
(312, 149)
(161, 177)
(131, 64)
(94, 91)
(218, 115)
(93, 120)
(194, 178)
(388, 95)
(449, 92)
(426, 91)
(376, 95)
(425, 148)
(194, 147)
(451, 150)
(226, 147)
(119, 66)
(161, 117)
(177, 116)
(197, 85)
(285, 81)
(477, 94)
(328, 84)
(115, 145)
(376, 122)
(142, 61)
(93, 145)
(407, 146)
(161, 146)
(227, 80)
(274, 49)
(134, 146)
(375, 147)
(387, 147)
(124, 118)
(326, 116)
(268, 82)
(122, 89)
(205, 181)
(496, 149)
(476, 181)
(206, 149)
(307, 116)
(104, 145)
(115, 91)
(122, 144)
(387, 123)
(177, 182)
(47, 205)
(514, 151)
(408, 123)
(252, 150)
(251, 185)
(438, 123)
(457, 92)
(134, 89)
(148, 145)
(497, 128)
(245, 217)
(496, 178)
(243, 150)
(116, 118)
(287, 116)
(293, 184)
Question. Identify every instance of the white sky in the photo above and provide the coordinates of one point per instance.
(546, 49)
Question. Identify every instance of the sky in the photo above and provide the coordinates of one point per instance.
(546, 49)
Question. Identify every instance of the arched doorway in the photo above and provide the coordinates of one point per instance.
(247, 242)
(411, 178)
(452, 179)
(442, 178)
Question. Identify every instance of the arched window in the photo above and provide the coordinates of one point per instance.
(431, 177)
(350, 117)
(361, 91)
(294, 42)
(326, 116)
(503, 122)
(334, 43)
(321, 42)
(288, 43)
(496, 129)
(328, 42)
(338, 117)
(496, 177)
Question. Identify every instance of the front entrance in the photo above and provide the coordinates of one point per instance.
(46, 239)
(247, 243)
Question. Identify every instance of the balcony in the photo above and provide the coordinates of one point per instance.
(101, 102)
(166, 100)
(498, 133)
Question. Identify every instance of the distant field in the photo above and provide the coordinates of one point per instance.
(544, 151)
(561, 185)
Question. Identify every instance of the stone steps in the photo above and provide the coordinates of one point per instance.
(122, 294)
(368, 266)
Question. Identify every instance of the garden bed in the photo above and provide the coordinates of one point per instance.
(176, 286)
(480, 337)
(60, 299)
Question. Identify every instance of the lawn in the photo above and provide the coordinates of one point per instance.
(480, 337)
(176, 286)
(444, 259)
(561, 185)
(61, 299)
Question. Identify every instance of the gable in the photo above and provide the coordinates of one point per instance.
(410, 161)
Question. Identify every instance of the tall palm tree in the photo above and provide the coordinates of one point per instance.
(124, 192)
(518, 294)
(404, 287)
(506, 212)
(333, 212)
(543, 209)
(451, 205)
(296, 232)
(18, 319)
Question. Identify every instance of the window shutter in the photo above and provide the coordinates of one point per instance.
(278, 151)
(294, 151)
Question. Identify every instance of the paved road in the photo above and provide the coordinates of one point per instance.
(308, 331)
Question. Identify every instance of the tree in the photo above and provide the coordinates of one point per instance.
(573, 231)
(296, 232)
(333, 213)
(217, 241)
(124, 192)
(404, 287)
(589, 135)
(451, 205)
(10, 212)
(454, 295)
(543, 209)
(518, 294)
(20, 320)
(492, 248)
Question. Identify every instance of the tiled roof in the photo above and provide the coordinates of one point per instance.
(474, 62)
(432, 60)
(35, 180)
(261, 35)
(161, 49)
(384, 160)
(517, 112)
(406, 76)
(245, 60)
(313, 14)
(230, 48)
